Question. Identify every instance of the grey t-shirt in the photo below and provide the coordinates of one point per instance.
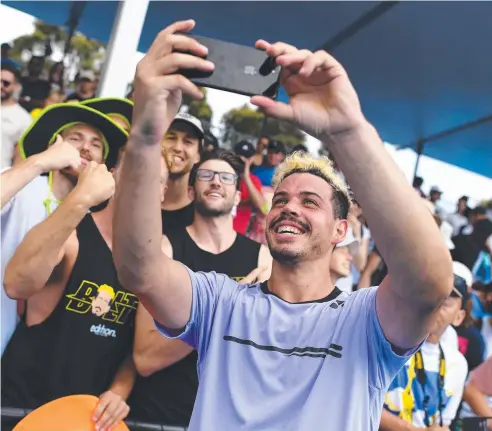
(266, 364)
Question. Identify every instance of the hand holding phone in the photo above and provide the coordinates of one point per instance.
(238, 69)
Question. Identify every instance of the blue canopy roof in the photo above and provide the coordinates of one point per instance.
(420, 68)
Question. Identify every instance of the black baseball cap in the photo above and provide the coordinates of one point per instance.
(210, 139)
(460, 290)
(245, 149)
(276, 147)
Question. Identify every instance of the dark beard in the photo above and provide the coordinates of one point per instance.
(210, 213)
(287, 259)
(177, 175)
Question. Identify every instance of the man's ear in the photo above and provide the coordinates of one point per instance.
(460, 316)
(191, 193)
(339, 231)
(237, 198)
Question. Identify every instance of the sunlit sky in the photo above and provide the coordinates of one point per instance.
(454, 181)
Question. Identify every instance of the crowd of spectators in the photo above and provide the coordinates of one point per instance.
(51, 278)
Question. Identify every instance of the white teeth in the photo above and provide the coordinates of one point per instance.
(217, 195)
(289, 229)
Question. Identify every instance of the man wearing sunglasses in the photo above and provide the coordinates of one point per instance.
(166, 392)
(427, 392)
(15, 119)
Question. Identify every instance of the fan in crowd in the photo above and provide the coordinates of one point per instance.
(193, 287)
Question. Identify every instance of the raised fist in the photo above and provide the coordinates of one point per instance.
(59, 155)
(95, 184)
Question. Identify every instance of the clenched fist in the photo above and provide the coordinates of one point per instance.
(59, 155)
(95, 185)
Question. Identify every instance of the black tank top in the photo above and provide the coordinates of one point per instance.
(177, 219)
(167, 397)
(74, 351)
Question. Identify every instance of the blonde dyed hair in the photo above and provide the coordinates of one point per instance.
(108, 289)
(301, 162)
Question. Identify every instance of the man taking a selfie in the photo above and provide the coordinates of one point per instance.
(295, 336)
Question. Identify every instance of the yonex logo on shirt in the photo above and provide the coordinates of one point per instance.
(336, 304)
(102, 331)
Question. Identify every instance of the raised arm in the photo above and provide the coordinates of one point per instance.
(163, 285)
(419, 264)
(44, 246)
(256, 197)
(324, 103)
(60, 155)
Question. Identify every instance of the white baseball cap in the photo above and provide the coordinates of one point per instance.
(351, 242)
(464, 272)
(190, 119)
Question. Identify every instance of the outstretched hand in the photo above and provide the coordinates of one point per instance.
(323, 101)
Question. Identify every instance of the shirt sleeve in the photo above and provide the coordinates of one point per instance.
(384, 362)
(208, 288)
(457, 373)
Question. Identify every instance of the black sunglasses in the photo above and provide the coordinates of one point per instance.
(6, 83)
(226, 178)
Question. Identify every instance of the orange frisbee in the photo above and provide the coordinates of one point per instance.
(72, 413)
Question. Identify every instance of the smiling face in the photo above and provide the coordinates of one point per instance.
(88, 141)
(182, 144)
(214, 198)
(301, 225)
(9, 85)
(341, 261)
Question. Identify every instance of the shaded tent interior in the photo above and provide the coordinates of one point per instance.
(422, 69)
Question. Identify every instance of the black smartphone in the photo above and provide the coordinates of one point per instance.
(238, 69)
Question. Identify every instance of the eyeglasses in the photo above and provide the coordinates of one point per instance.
(225, 177)
(6, 83)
